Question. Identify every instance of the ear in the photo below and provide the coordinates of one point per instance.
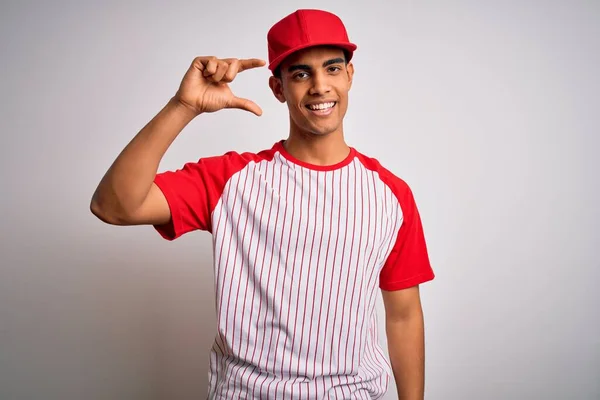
(350, 71)
(277, 88)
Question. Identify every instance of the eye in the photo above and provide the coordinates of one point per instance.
(334, 68)
(300, 75)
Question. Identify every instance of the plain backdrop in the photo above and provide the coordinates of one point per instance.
(488, 109)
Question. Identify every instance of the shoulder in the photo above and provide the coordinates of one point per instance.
(230, 162)
(391, 180)
(240, 158)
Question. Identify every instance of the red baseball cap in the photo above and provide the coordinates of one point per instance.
(306, 28)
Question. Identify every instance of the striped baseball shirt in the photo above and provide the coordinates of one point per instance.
(299, 253)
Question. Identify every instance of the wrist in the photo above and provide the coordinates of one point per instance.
(185, 110)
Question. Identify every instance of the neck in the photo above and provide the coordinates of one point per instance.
(318, 150)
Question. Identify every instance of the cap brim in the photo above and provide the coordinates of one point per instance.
(350, 47)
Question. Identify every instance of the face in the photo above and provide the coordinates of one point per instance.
(315, 83)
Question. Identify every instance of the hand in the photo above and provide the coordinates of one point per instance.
(204, 86)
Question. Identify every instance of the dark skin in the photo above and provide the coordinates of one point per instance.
(127, 194)
(317, 75)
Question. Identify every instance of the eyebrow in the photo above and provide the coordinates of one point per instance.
(327, 63)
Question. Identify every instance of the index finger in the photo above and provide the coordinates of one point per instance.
(250, 63)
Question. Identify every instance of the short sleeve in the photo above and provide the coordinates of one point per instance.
(408, 263)
(193, 191)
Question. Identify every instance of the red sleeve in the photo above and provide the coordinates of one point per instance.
(408, 263)
(193, 192)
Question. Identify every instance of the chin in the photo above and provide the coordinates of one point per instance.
(312, 127)
(322, 131)
(323, 128)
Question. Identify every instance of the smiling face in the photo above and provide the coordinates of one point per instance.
(314, 83)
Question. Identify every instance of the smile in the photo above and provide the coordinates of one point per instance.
(322, 108)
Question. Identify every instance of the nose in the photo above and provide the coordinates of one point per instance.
(320, 84)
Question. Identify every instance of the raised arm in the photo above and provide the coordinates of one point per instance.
(127, 194)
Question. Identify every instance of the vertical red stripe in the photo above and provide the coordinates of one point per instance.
(275, 224)
(301, 273)
(331, 281)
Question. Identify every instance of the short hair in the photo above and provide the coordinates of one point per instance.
(277, 71)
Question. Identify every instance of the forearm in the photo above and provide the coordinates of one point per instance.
(406, 346)
(128, 180)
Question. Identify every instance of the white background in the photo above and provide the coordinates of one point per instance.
(489, 110)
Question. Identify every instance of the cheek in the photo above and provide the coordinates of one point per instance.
(296, 110)
(294, 102)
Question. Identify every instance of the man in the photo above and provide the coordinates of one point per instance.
(304, 232)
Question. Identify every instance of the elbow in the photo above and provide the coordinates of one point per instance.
(101, 214)
(104, 213)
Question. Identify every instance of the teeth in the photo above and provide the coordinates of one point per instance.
(322, 106)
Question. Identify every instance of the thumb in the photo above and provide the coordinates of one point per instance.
(245, 104)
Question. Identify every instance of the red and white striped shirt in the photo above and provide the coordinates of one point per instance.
(299, 253)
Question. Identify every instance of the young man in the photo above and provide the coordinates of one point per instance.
(304, 232)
